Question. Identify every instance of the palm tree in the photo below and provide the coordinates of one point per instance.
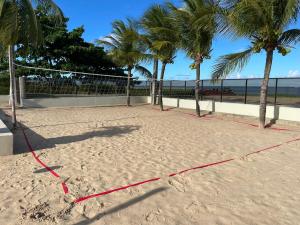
(126, 49)
(19, 25)
(164, 39)
(149, 21)
(264, 23)
(196, 25)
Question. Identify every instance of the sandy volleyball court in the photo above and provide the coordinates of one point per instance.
(98, 149)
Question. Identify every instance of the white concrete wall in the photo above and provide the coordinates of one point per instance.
(81, 101)
(288, 113)
(6, 140)
(278, 112)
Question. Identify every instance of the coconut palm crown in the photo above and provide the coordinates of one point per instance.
(163, 37)
(126, 49)
(196, 26)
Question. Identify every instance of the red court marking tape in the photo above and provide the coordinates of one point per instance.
(115, 190)
(64, 185)
(207, 165)
(174, 174)
(66, 190)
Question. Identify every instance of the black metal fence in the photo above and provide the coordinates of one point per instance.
(281, 91)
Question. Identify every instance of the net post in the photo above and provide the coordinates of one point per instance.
(246, 92)
(222, 87)
(22, 90)
(202, 90)
(276, 92)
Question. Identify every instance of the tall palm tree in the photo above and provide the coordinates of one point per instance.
(126, 48)
(149, 21)
(264, 23)
(196, 25)
(164, 39)
(19, 25)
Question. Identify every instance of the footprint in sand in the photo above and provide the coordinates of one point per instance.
(178, 183)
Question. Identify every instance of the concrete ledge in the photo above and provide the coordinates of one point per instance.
(82, 101)
(6, 140)
(278, 112)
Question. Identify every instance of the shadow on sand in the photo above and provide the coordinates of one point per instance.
(122, 206)
(38, 142)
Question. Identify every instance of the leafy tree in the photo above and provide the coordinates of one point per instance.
(265, 24)
(196, 25)
(126, 48)
(19, 25)
(66, 50)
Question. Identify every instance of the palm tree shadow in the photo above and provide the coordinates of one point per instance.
(122, 206)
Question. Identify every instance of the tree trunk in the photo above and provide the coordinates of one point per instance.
(12, 84)
(154, 82)
(197, 88)
(161, 83)
(128, 86)
(264, 90)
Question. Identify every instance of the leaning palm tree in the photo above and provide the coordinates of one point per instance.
(126, 49)
(163, 38)
(196, 25)
(19, 25)
(264, 23)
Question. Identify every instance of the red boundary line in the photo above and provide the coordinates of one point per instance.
(64, 185)
(81, 199)
(174, 174)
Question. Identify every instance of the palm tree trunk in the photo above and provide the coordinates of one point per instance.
(264, 90)
(154, 81)
(197, 88)
(12, 84)
(161, 83)
(128, 86)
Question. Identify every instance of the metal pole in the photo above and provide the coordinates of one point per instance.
(170, 88)
(276, 89)
(246, 91)
(202, 89)
(222, 84)
(12, 84)
(22, 90)
(185, 85)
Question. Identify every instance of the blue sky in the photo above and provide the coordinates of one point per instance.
(97, 17)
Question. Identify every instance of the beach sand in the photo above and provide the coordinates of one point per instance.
(97, 149)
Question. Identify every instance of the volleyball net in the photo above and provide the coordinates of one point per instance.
(43, 82)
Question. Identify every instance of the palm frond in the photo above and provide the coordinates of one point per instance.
(228, 63)
(289, 37)
(143, 71)
(2, 2)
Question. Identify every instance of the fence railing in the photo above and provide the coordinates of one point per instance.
(281, 91)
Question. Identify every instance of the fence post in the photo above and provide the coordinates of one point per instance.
(222, 84)
(185, 85)
(22, 90)
(276, 89)
(202, 89)
(246, 91)
(170, 88)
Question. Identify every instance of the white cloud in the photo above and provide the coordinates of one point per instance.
(294, 73)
